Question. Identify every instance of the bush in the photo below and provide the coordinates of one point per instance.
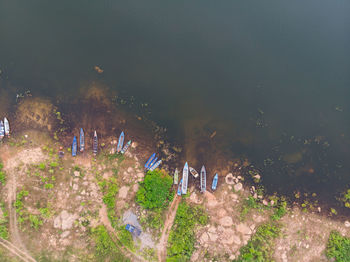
(154, 191)
(182, 236)
(338, 247)
(280, 211)
(260, 246)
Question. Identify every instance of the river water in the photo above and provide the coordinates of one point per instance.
(268, 80)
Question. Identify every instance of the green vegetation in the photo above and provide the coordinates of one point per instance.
(4, 222)
(2, 174)
(153, 219)
(125, 238)
(249, 204)
(280, 210)
(154, 191)
(35, 221)
(346, 198)
(182, 236)
(260, 246)
(105, 248)
(338, 247)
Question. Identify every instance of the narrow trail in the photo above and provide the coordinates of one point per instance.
(166, 230)
(126, 251)
(16, 251)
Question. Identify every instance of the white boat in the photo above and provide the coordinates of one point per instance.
(7, 127)
(2, 130)
(193, 172)
(203, 180)
(184, 179)
(176, 176)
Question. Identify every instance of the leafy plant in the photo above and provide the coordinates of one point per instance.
(280, 211)
(35, 221)
(338, 247)
(126, 237)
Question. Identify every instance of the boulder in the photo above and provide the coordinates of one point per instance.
(123, 192)
(229, 179)
(347, 223)
(243, 229)
(226, 221)
(238, 187)
(204, 238)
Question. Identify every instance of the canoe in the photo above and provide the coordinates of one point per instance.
(6, 127)
(184, 179)
(125, 148)
(74, 146)
(215, 182)
(193, 172)
(120, 142)
(179, 188)
(81, 140)
(155, 165)
(176, 176)
(203, 180)
(2, 130)
(150, 160)
(95, 144)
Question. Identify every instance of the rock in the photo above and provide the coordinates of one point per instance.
(75, 187)
(212, 202)
(123, 192)
(64, 220)
(229, 179)
(243, 229)
(140, 175)
(212, 229)
(228, 237)
(221, 212)
(234, 196)
(204, 238)
(347, 223)
(130, 170)
(238, 187)
(65, 234)
(83, 192)
(134, 144)
(135, 187)
(213, 237)
(76, 173)
(195, 256)
(232, 257)
(226, 221)
(265, 203)
(257, 177)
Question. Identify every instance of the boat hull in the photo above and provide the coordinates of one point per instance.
(74, 146)
(95, 144)
(203, 179)
(155, 165)
(148, 162)
(184, 179)
(120, 142)
(126, 147)
(6, 127)
(215, 182)
(81, 140)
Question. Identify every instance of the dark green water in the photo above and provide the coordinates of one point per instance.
(272, 78)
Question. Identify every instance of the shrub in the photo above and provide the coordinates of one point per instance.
(154, 191)
(338, 247)
(280, 211)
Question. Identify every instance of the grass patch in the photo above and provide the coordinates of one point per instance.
(280, 210)
(249, 204)
(338, 247)
(125, 238)
(2, 174)
(105, 248)
(4, 222)
(182, 236)
(260, 247)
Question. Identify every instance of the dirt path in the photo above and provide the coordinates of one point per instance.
(16, 251)
(167, 226)
(126, 251)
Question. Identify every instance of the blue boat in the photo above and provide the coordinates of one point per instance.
(179, 188)
(95, 144)
(120, 142)
(81, 140)
(74, 146)
(185, 179)
(2, 130)
(125, 148)
(215, 182)
(155, 165)
(150, 160)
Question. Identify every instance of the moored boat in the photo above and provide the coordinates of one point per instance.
(203, 180)
(81, 140)
(120, 142)
(6, 127)
(125, 148)
(184, 179)
(193, 172)
(155, 165)
(150, 160)
(176, 176)
(179, 188)
(95, 144)
(2, 130)
(215, 182)
(74, 146)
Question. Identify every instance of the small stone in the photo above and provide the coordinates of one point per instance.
(130, 170)
(76, 173)
(230, 187)
(204, 238)
(123, 192)
(226, 221)
(232, 257)
(65, 234)
(75, 187)
(265, 203)
(213, 237)
(140, 175)
(347, 223)
(134, 144)
(238, 187)
(243, 229)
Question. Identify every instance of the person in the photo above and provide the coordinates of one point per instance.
(60, 152)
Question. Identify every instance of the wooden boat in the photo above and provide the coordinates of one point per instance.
(176, 176)
(179, 188)
(155, 165)
(215, 182)
(184, 179)
(74, 146)
(6, 127)
(120, 142)
(203, 180)
(125, 148)
(2, 130)
(95, 144)
(150, 160)
(81, 140)
(193, 172)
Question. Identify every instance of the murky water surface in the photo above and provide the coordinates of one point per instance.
(271, 78)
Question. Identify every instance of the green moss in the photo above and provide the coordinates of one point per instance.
(182, 236)
(338, 247)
